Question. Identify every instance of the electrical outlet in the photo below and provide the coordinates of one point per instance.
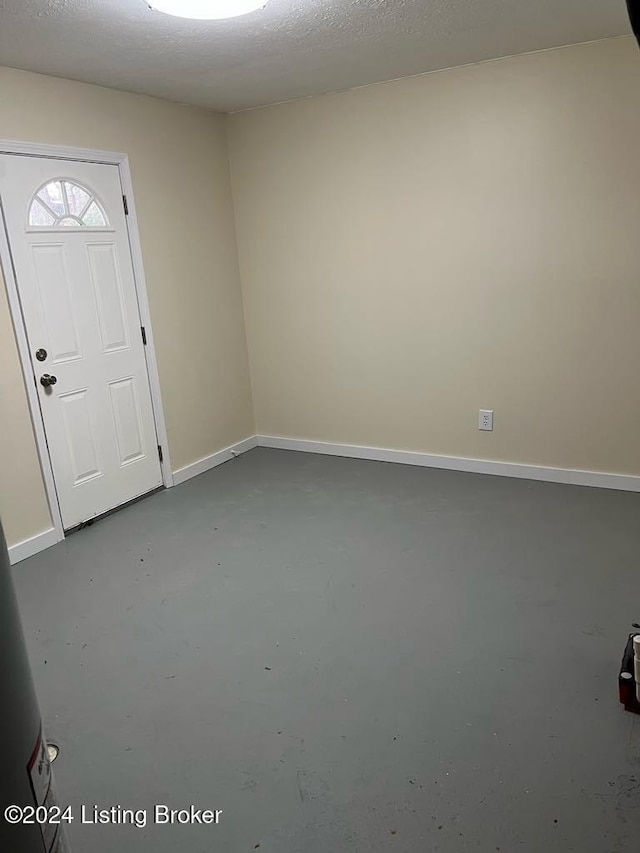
(485, 420)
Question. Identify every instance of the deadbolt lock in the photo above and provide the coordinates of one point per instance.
(41, 354)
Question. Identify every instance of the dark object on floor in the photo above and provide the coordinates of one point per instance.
(626, 679)
(634, 13)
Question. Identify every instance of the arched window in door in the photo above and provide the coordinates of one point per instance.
(64, 203)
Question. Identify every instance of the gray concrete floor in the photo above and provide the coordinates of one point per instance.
(345, 656)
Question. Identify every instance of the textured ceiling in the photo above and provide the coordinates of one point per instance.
(290, 49)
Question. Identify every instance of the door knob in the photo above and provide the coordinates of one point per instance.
(47, 380)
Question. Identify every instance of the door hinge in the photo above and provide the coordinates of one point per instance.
(126, 205)
(144, 335)
(160, 452)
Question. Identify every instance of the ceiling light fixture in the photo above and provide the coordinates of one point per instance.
(206, 10)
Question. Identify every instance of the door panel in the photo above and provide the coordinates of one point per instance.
(79, 432)
(126, 415)
(56, 301)
(70, 249)
(107, 286)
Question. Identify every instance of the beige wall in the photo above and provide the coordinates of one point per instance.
(179, 165)
(410, 252)
(413, 251)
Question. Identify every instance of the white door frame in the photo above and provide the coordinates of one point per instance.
(85, 155)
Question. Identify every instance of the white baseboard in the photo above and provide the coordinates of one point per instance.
(31, 546)
(212, 461)
(599, 479)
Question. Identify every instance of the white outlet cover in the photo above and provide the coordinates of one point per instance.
(485, 420)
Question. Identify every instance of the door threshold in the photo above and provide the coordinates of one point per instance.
(89, 521)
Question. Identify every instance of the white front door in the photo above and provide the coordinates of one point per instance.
(69, 245)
